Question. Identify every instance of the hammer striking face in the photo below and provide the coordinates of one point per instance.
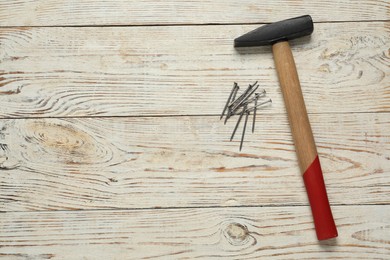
(277, 35)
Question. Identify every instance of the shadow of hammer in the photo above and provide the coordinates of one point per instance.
(277, 34)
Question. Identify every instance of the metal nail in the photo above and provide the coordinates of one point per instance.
(228, 115)
(242, 96)
(237, 124)
(254, 114)
(258, 105)
(244, 100)
(228, 101)
(235, 93)
(257, 96)
(243, 131)
(253, 108)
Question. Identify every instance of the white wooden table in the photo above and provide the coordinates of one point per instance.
(111, 145)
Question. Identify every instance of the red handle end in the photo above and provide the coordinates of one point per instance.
(322, 214)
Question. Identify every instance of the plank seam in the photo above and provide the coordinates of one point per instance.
(202, 207)
(174, 25)
(185, 115)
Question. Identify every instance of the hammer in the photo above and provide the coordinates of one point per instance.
(277, 34)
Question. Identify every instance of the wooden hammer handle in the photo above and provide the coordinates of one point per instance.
(295, 105)
(304, 140)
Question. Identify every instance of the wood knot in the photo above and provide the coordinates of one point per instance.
(112, 180)
(8, 163)
(70, 143)
(237, 232)
(237, 235)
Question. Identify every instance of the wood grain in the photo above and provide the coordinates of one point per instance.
(149, 12)
(228, 233)
(147, 162)
(61, 72)
(110, 147)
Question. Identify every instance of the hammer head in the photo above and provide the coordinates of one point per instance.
(280, 31)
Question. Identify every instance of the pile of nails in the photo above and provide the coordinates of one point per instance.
(249, 101)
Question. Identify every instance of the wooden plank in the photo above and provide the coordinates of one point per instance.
(228, 233)
(147, 12)
(146, 162)
(52, 72)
